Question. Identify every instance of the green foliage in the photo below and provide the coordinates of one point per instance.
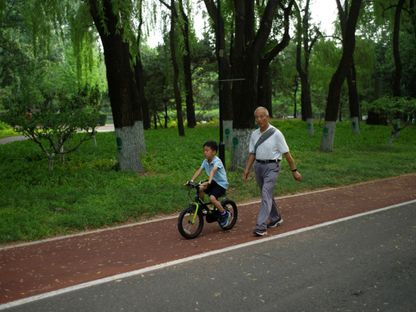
(87, 193)
(393, 107)
(6, 130)
(396, 110)
(52, 122)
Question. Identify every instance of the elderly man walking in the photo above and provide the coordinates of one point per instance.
(266, 149)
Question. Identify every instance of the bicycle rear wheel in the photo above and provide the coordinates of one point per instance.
(231, 207)
(189, 224)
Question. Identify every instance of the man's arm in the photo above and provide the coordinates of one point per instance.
(296, 175)
(250, 161)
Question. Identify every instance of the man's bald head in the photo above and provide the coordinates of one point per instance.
(261, 110)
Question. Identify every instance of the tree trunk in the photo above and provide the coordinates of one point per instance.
(176, 88)
(334, 93)
(124, 98)
(190, 107)
(311, 130)
(228, 133)
(140, 81)
(166, 115)
(155, 120)
(240, 143)
(396, 49)
(139, 74)
(305, 95)
(264, 80)
(303, 69)
(247, 49)
(265, 87)
(412, 12)
(353, 99)
(129, 145)
(225, 85)
(328, 136)
(354, 104)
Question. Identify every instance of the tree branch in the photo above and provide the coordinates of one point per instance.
(166, 5)
(265, 26)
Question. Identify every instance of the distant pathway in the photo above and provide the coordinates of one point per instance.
(106, 128)
(12, 139)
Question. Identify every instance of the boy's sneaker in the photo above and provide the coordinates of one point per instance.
(260, 232)
(275, 223)
(225, 219)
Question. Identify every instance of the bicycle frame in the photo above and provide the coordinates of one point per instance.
(198, 202)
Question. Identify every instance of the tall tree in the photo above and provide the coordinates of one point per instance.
(224, 68)
(264, 79)
(351, 74)
(303, 48)
(172, 43)
(247, 47)
(396, 49)
(334, 92)
(139, 72)
(412, 14)
(122, 88)
(189, 94)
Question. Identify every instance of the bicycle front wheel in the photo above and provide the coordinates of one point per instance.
(189, 224)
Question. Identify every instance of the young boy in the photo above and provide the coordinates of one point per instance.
(217, 180)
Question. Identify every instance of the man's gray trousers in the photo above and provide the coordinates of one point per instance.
(266, 177)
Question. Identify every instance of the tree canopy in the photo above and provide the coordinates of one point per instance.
(245, 56)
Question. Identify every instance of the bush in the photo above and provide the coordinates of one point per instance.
(52, 122)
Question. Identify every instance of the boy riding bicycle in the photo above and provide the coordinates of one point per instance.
(217, 183)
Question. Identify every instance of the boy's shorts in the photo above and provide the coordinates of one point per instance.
(215, 189)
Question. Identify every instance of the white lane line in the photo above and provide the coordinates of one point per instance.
(191, 258)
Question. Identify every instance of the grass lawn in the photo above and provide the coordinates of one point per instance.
(87, 193)
(6, 131)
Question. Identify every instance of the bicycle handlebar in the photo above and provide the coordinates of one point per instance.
(192, 184)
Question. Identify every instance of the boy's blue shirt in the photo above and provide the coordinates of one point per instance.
(220, 176)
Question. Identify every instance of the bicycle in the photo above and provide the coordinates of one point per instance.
(191, 219)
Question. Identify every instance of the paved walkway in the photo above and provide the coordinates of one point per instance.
(36, 268)
(106, 128)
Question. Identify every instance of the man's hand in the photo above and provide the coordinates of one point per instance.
(245, 175)
(297, 176)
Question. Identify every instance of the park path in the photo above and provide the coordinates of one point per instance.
(106, 128)
(32, 269)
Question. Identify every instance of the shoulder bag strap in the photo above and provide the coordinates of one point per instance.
(264, 137)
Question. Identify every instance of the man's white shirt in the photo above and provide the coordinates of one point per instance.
(273, 148)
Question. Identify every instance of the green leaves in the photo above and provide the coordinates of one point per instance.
(53, 122)
(391, 106)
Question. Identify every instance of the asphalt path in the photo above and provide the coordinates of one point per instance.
(366, 263)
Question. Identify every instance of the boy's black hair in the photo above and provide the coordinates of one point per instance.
(212, 145)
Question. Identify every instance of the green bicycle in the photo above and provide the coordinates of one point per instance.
(191, 219)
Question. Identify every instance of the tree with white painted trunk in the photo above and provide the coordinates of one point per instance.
(305, 43)
(111, 22)
(354, 103)
(248, 46)
(334, 93)
(224, 70)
